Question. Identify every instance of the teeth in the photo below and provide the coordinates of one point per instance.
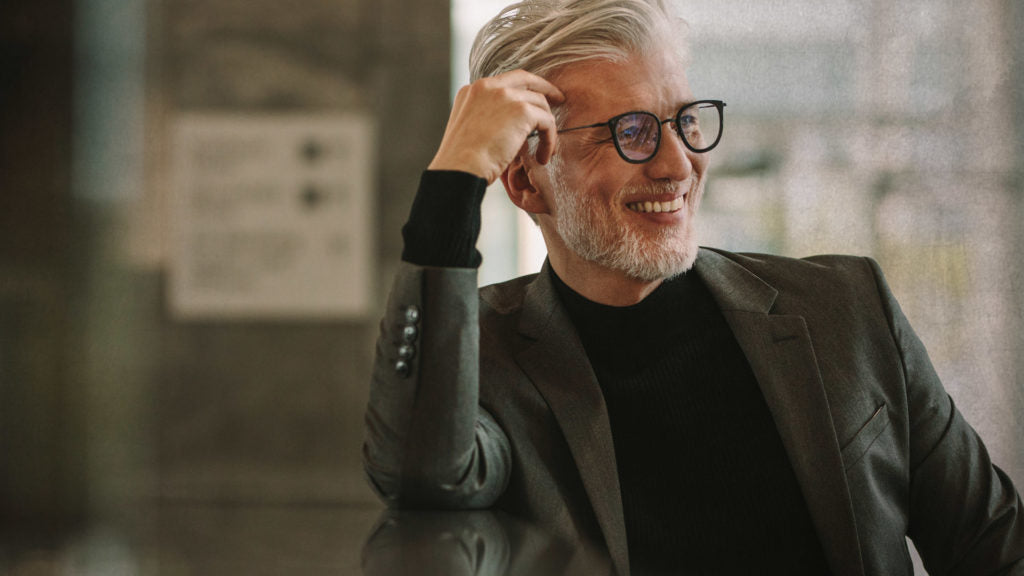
(657, 207)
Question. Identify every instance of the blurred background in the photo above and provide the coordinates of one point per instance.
(200, 206)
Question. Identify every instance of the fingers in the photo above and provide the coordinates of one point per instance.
(534, 83)
(526, 87)
(493, 117)
(547, 133)
(543, 95)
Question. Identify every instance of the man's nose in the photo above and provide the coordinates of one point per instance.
(673, 160)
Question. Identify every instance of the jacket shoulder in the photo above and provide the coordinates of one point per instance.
(776, 269)
(506, 297)
(805, 284)
(772, 265)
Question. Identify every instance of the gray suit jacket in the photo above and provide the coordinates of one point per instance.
(486, 399)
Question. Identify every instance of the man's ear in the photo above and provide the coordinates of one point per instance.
(523, 180)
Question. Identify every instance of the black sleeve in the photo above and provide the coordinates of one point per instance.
(444, 222)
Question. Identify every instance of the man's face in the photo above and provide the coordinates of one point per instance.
(635, 219)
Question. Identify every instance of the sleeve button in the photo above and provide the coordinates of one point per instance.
(409, 334)
(402, 368)
(412, 314)
(406, 351)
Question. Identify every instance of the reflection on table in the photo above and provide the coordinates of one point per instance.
(312, 539)
(473, 543)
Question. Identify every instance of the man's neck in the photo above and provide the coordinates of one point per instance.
(599, 284)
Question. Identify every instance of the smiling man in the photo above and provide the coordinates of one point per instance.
(694, 410)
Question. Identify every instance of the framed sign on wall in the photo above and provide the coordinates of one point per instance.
(271, 216)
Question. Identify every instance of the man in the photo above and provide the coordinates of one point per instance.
(696, 411)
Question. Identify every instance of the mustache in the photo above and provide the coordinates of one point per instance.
(655, 188)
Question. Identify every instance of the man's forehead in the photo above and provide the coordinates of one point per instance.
(604, 86)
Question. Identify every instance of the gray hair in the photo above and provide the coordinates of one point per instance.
(541, 36)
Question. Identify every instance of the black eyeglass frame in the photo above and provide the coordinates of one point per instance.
(611, 124)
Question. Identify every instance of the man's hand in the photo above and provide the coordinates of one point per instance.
(491, 119)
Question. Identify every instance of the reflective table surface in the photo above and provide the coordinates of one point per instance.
(185, 539)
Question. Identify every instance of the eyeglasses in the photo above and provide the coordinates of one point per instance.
(637, 135)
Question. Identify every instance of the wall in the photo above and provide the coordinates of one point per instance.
(262, 409)
(107, 398)
(40, 471)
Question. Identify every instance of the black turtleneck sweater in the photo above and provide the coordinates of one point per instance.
(706, 484)
(707, 487)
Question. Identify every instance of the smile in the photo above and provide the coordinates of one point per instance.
(657, 207)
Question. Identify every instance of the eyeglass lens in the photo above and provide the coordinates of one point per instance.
(638, 134)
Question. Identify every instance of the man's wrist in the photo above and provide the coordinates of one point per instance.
(466, 165)
(444, 222)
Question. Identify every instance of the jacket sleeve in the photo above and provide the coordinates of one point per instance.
(428, 443)
(966, 516)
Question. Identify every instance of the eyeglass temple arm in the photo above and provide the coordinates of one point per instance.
(574, 128)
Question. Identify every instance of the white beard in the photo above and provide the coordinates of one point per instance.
(626, 249)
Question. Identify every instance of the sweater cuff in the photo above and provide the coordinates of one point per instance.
(444, 222)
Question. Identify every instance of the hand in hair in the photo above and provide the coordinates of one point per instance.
(491, 120)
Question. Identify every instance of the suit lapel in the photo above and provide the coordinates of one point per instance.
(780, 352)
(557, 365)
